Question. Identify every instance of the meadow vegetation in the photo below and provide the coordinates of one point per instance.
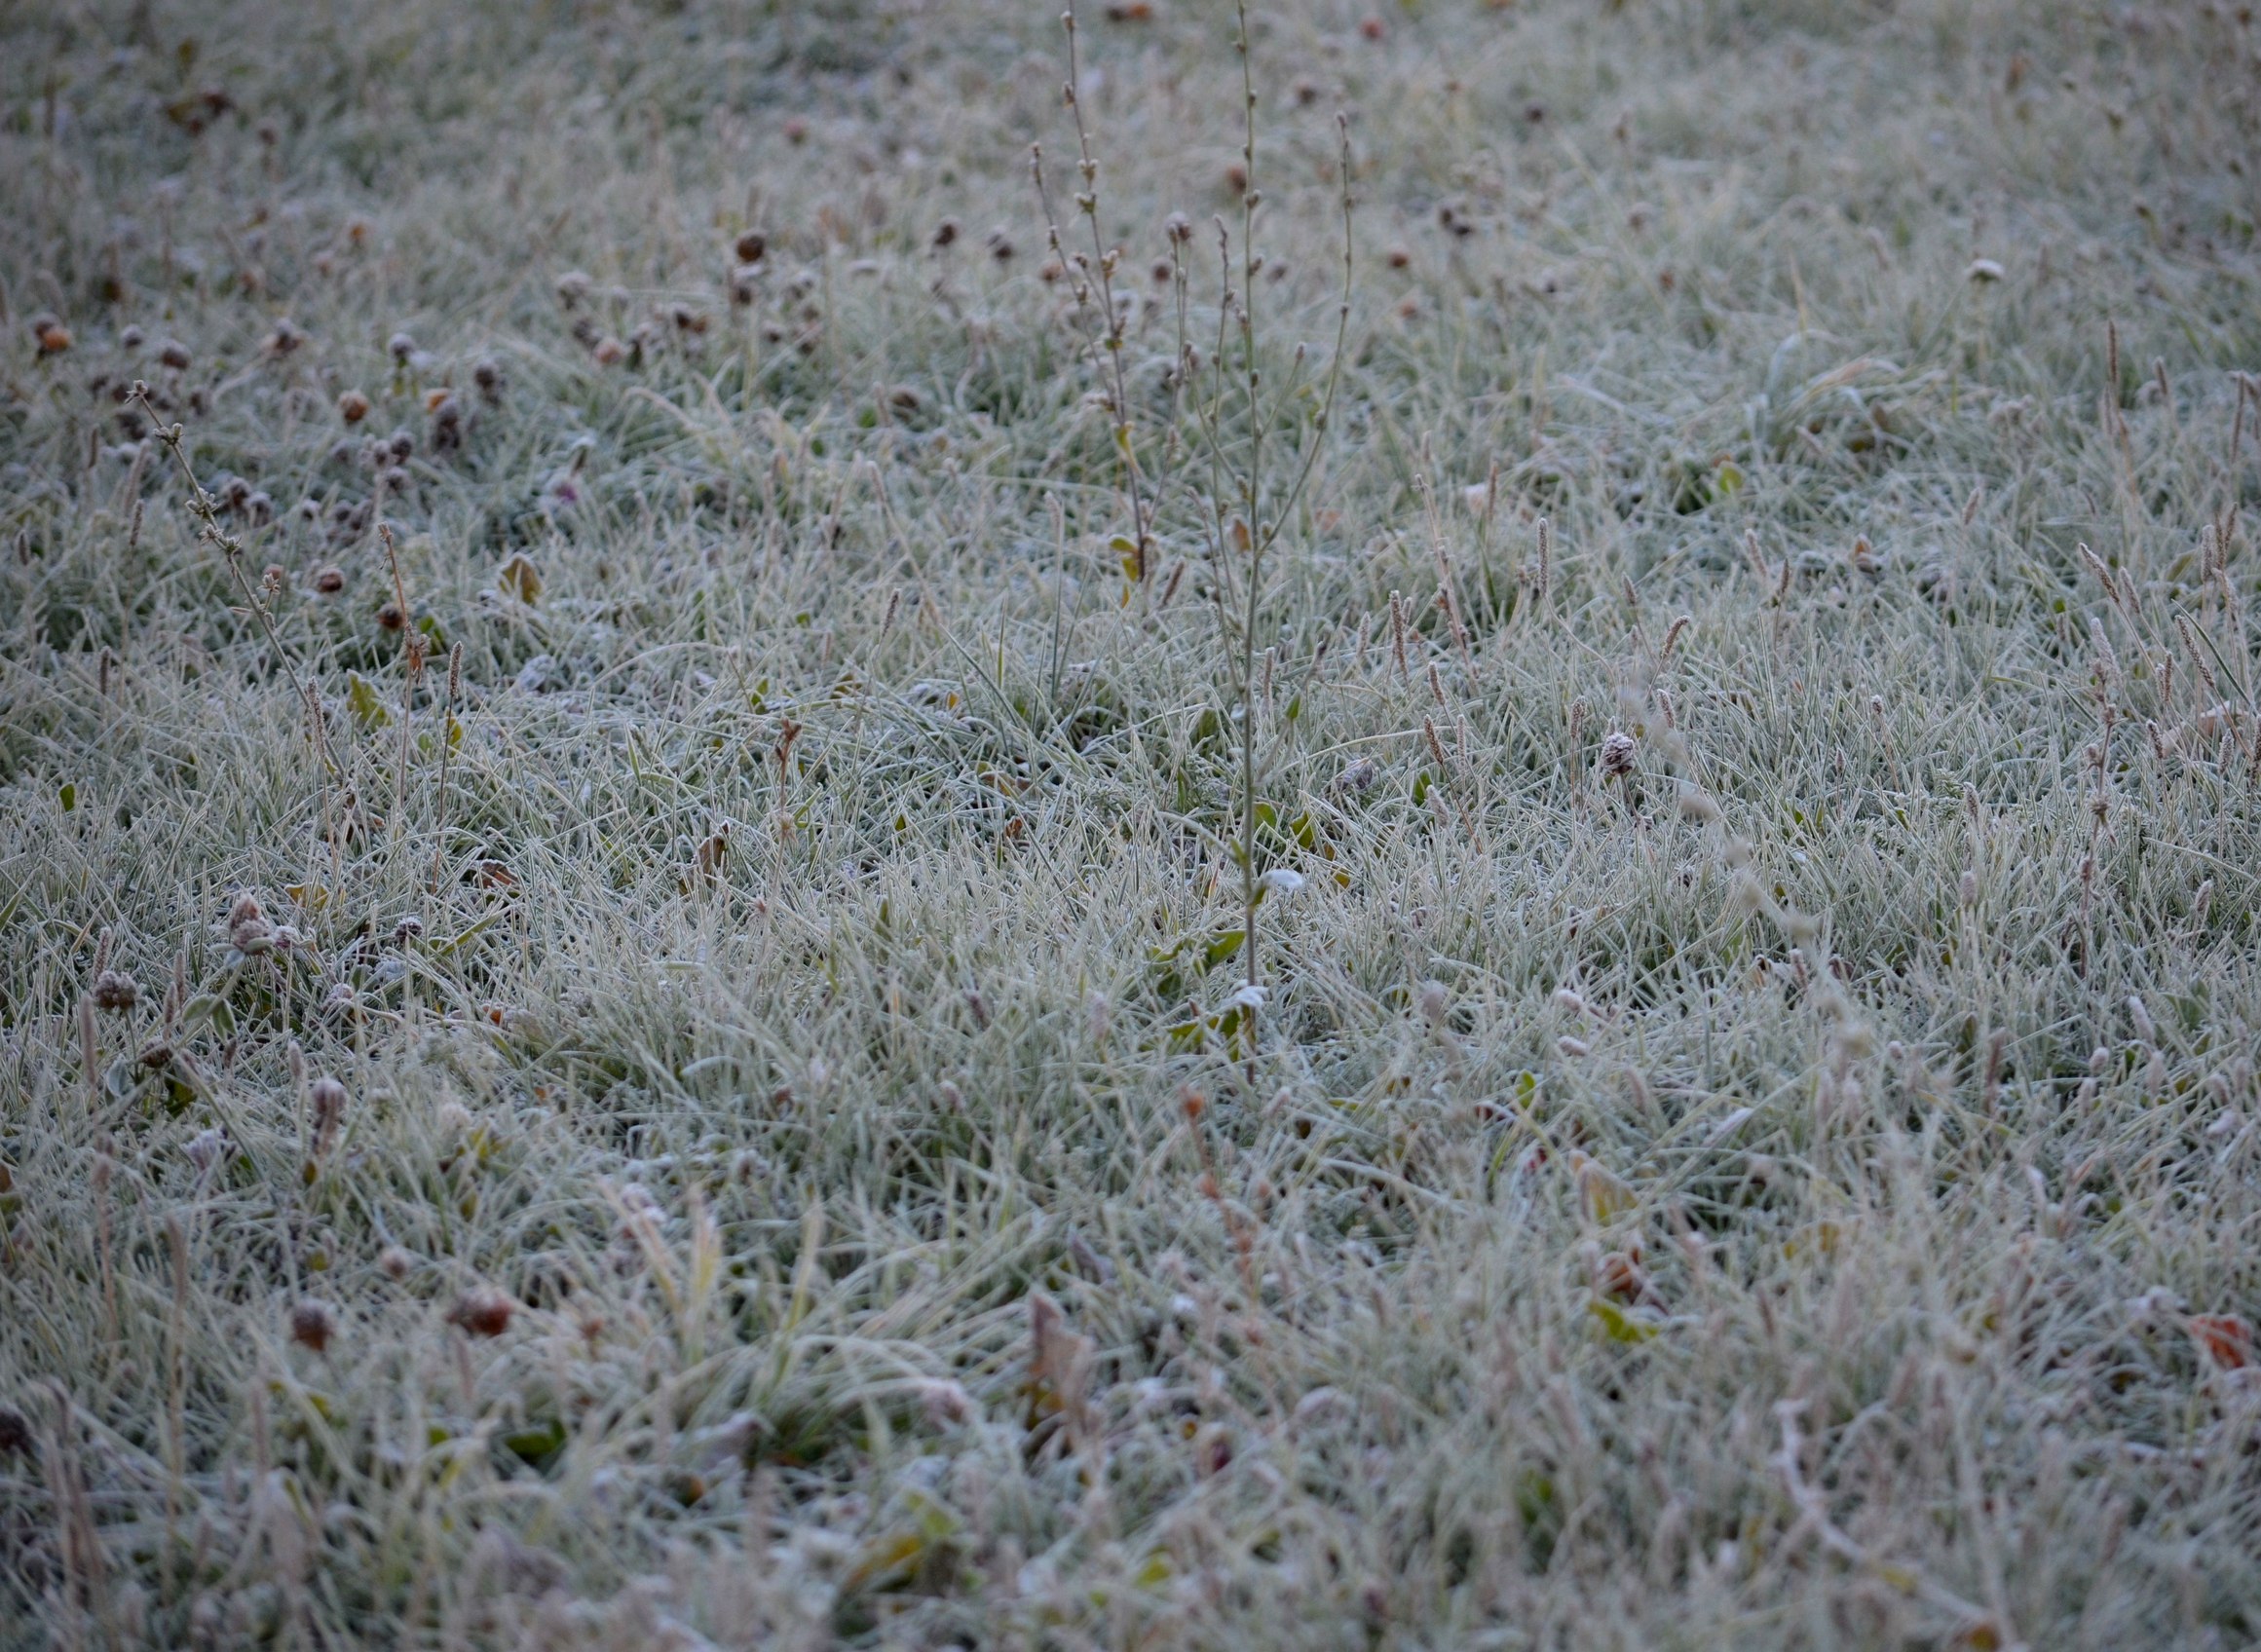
(756, 890)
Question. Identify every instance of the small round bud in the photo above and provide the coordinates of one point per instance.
(402, 347)
(173, 354)
(131, 339)
(353, 407)
(330, 581)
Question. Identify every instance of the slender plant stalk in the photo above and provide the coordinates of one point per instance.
(1106, 335)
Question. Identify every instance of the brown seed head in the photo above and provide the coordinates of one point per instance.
(115, 990)
(329, 1107)
(1617, 755)
(482, 1311)
(328, 581)
(312, 1325)
(248, 931)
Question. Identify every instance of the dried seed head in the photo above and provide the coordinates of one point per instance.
(482, 1311)
(402, 347)
(115, 990)
(173, 354)
(389, 616)
(572, 287)
(1436, 1002)
(1617, 755)
(248, 931)
(328, 581)
(397, 1263)
(752, 248)
(312, 1325)
(329, 1108)
(131, 338)
(206, 1149)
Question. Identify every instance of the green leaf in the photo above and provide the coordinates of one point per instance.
(366, 706)
(68, 797)
(536, 1444)
(1618, 1324)
(1223, 948)
(519, 577)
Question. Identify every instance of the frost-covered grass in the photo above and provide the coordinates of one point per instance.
(727, 1114)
